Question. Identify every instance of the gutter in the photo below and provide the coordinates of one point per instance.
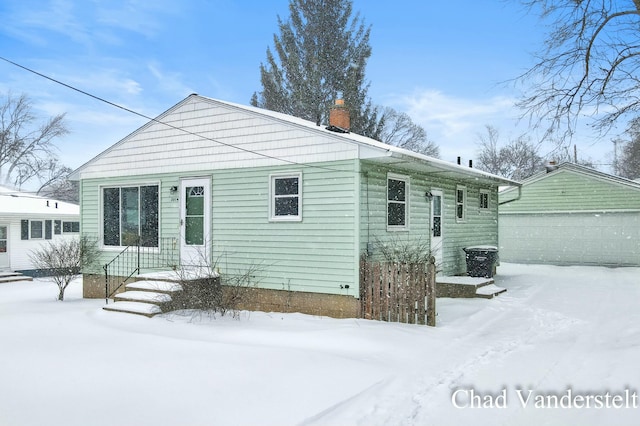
(514, 199)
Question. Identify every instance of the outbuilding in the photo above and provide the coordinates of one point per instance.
(571, 215)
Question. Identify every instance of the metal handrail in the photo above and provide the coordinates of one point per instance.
(133, 258)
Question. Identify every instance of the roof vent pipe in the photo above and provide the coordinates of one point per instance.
(470, 164)
(459, 159)
(47, 203)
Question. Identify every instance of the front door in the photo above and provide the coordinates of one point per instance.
(195, 222)
(4, 247)
(436, 227)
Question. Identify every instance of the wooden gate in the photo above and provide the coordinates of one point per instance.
(398, 292)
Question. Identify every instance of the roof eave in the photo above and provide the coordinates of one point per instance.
(433, 166)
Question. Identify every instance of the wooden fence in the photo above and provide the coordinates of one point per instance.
(398, 292)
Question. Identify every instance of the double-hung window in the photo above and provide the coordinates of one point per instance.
(397, 202)
(36, 229)
(130, 216)
(461, 200)
(286, 197)
(484, 200)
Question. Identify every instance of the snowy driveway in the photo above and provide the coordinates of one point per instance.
(564, 334)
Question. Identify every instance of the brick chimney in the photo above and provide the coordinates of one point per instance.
(339, 120)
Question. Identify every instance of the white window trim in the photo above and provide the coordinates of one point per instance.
(31, 237)
(101, 188)
(272, 197)
(407, 188)
(488, 193)
(463, 203)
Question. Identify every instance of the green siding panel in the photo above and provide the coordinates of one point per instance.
(318, 254)
(321, 252)
(567, 190)
(480, 227)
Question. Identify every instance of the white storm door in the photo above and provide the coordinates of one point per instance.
(4, 247)
(436, 227)
(195, 222)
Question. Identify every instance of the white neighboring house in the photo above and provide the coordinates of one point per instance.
(26, 222)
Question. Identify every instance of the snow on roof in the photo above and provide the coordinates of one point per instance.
(577, 168)
(17, 202)
(400, 155)
(364, 140)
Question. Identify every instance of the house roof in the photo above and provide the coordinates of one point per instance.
(18, 203)
(581, 170)
(367, 148)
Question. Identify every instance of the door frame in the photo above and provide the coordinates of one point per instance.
(195, 255)
(436, 243)
(5, 256)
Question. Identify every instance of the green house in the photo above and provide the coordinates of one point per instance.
(571, 215)
(244, 188)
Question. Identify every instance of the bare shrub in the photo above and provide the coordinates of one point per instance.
(207, 292)
(64, 259)
(399, 251)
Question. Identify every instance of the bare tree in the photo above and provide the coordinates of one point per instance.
(63, 259)
(489, 158)
(517, 160)
(588, 66)
(563, 153)
(399, 130)
(628, 163)
(26, 147)
(55, 183)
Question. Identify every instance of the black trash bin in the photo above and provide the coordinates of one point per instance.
(481, 260)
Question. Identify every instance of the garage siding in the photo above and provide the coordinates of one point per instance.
(573, 215)
(609, 239)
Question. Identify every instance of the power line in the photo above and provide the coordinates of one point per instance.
(139, 114)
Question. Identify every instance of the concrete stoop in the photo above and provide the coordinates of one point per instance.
(145, 297)
(9, 277)
(467, 287)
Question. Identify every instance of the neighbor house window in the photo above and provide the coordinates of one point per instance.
(129, 215)
(57, 227)
(70, 227)
(286, 197)
(397, 202)
(484, 199)
(36, 229)
(461, 198)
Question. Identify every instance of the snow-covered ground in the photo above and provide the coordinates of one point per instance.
(567, 334)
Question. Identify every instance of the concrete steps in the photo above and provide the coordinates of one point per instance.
(489, 291)
(8, 277)
(145, 297)
(467, 287)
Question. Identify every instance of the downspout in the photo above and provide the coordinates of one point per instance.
(514, 199)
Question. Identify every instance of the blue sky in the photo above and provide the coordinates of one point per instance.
(446, 64)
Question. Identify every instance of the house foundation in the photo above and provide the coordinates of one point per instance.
(266, 300)
(93, 286)
(330, 305)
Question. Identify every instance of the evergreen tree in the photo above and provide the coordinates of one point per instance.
(321, 55)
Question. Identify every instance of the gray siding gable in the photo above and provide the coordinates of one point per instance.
(201, 134)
